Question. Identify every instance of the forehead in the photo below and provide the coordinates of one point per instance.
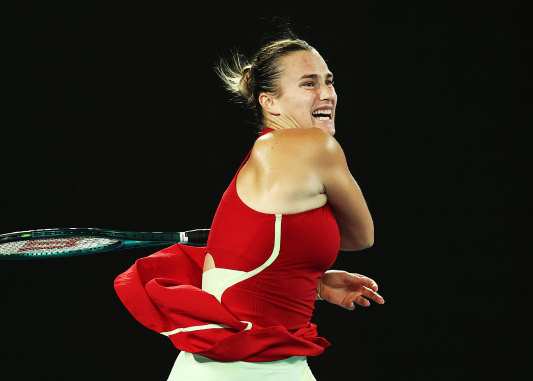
(303, 62)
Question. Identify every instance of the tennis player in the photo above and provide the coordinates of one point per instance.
(241, 307)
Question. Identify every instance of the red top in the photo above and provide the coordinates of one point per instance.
(258, 302)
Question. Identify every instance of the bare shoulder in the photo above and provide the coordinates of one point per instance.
(304, 144)
(282, 174)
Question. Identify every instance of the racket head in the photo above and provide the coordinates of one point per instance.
(50, 243)
(67, 242)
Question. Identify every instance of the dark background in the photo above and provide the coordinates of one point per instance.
(114, 118)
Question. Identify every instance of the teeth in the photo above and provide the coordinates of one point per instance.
(325, 111)
(324, 114)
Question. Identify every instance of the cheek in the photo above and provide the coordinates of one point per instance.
(306, 102)
(303, 110)
(300, 104)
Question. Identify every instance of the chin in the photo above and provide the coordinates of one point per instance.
(330, 128)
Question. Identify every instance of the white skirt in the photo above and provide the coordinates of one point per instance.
(190, 367)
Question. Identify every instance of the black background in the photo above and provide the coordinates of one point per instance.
(114, 118)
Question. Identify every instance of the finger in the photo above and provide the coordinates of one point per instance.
(366, 281)
(362, 301)
(349, 305)
(371, 283)
(371, 294)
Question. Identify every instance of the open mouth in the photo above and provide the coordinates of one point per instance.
(324, 114)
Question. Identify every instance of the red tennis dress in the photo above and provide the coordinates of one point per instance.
(256, 305)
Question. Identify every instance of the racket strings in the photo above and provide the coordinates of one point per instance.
(54, 245)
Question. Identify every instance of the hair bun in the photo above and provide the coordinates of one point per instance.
(246, 83)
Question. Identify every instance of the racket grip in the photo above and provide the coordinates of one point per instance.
(198, 236)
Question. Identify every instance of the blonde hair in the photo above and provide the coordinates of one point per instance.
(246, 79)
(236, 76)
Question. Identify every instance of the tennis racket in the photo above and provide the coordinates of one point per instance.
(47, 243)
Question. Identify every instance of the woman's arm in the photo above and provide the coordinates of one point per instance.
(344, 196)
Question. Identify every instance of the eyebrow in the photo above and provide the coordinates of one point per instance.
(315, 76)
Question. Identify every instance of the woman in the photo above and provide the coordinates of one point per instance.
(279, 226)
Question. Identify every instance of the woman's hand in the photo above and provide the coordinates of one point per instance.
(346, 289)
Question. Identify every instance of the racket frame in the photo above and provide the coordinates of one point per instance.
(125, 240)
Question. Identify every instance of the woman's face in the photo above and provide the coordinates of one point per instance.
(307, 97)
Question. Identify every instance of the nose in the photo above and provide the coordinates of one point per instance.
(327, 93)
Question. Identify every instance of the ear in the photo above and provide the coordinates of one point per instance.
(268, 103)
